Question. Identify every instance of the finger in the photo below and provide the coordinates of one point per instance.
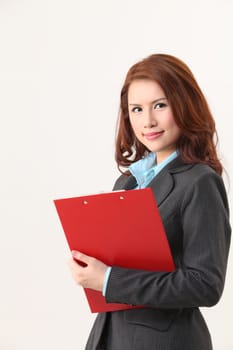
(81, 257)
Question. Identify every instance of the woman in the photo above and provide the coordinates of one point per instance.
(166, 141)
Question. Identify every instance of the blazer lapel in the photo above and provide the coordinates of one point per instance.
(163, 183)
(130, 183)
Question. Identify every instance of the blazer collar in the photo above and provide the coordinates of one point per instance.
(163, 183)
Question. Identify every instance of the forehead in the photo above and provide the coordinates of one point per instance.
(144, 90)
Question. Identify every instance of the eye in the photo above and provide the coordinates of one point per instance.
(136, 109)
(160, 105)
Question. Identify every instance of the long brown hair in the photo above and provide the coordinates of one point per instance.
(191, 112)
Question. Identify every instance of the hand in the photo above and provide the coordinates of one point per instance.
(89, 276)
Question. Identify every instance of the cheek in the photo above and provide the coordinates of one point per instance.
(172, 127)
(171, 124)
(176, 132)
(134, 125)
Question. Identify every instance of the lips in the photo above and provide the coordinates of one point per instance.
(153, 135)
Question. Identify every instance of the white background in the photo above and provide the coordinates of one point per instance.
(62, 64)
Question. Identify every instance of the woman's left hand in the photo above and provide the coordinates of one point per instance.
(89, 276)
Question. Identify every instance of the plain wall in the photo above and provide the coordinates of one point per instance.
(62, 64)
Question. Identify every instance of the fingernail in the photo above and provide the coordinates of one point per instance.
(75, 253)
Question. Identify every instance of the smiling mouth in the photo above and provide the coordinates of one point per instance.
(153, 135)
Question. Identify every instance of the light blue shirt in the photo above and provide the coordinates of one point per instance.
(144, 170)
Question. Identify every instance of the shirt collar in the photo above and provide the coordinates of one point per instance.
(145, 169)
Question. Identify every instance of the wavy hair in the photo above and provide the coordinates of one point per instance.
(197, 143)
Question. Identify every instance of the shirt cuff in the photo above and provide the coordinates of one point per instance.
(106, 278)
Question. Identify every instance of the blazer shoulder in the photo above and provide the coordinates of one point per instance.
(199, 177)
(203, 179)
(197, 172)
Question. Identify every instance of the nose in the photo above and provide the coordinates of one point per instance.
(149, 119)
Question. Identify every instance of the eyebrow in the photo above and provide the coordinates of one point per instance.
(157, 100)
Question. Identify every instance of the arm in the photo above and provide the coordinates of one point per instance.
(199, 279)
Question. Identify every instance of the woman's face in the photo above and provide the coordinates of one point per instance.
(151, 118)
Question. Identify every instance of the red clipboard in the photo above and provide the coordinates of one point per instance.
(121, 228)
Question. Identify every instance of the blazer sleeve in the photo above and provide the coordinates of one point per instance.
(199, 278)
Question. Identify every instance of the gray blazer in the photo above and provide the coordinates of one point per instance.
(193, 205)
